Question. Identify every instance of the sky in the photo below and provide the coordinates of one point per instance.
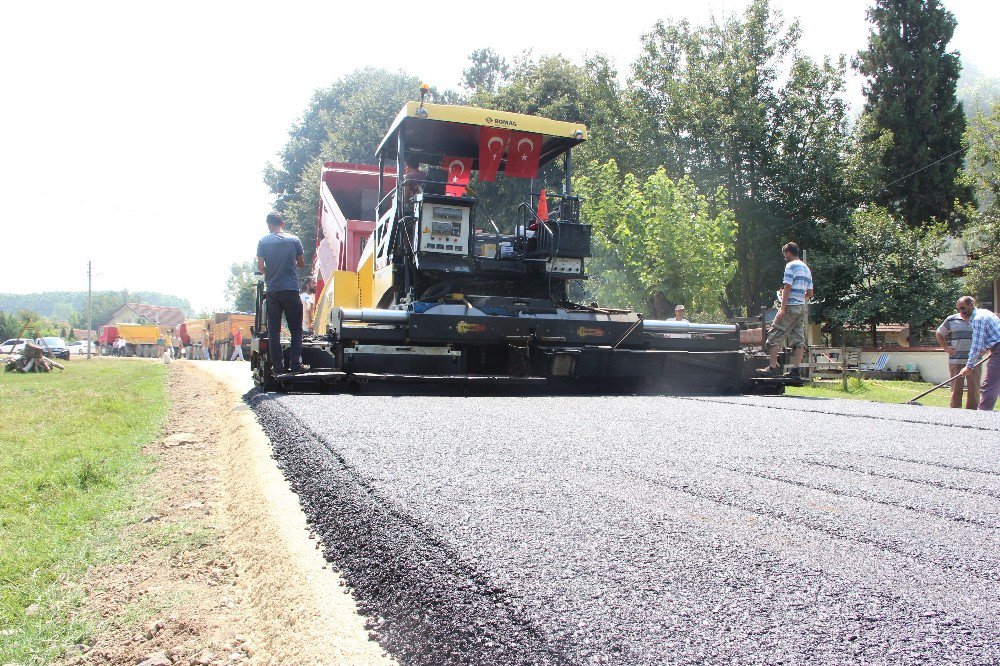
(134, 135)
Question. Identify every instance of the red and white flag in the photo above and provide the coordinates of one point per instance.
(458, 169)
(522, 158)
(492, 145)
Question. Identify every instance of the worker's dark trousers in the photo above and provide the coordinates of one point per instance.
(289, 304)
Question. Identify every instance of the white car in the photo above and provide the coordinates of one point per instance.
(12, 345)
(80, 347)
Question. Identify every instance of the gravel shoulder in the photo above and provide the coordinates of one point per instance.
(651, 530)
(222, 568)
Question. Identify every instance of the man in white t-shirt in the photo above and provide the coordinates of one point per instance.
(679, 316)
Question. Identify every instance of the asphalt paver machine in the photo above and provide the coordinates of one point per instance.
(420, 281)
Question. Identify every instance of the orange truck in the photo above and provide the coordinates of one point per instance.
(224, 331)
(192, 334)
(140, 339)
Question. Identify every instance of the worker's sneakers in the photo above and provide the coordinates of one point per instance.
(769, 372)
(793, 373)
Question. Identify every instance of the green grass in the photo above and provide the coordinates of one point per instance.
(70, 464)
(876, 390)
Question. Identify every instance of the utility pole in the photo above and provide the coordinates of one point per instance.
(90, 309)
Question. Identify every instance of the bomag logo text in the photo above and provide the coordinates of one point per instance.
(501, 121)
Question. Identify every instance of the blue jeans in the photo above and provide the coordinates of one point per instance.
(289, 304)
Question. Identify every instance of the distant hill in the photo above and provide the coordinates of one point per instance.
(71, 306)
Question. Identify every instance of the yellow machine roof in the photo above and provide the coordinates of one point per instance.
(454, 130)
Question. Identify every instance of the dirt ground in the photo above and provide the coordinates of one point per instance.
(223, 570)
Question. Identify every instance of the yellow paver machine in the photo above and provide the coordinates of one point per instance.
(427, 284)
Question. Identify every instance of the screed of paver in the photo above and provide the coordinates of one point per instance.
(302, 611)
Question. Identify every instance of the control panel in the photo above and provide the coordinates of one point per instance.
(443, 228)
(564, 265)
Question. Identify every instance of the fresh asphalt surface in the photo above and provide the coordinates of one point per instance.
(651, 530)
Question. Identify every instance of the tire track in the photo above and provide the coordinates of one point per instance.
(871, 417)
(933, 483)
(992, 576)
(931, 463)
(862, 496)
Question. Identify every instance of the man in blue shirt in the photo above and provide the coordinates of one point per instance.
(279, 254)
(985, 335)
(793, 313)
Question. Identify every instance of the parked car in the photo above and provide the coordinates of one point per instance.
(80, 347)
(53, 347)
(12, 345)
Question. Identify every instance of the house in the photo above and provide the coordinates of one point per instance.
(140, 313)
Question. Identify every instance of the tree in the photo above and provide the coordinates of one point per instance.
(982, 140)
(910, 92)
(657, 242)
(887, 272)
(712, 105)
(241, 287)
(344, 123)
(487, 71)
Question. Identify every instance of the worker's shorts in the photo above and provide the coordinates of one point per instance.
(791, 327)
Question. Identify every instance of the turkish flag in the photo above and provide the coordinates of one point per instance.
(492, 145)
(522, 158)
(459, 169)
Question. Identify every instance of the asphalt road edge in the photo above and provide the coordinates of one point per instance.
(424, 603)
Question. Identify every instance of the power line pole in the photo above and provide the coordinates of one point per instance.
(90, 309)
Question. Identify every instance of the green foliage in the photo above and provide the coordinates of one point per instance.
(982, 140)
(885, 272)
(712, 105)
(344, 123)
(911, 92)
(241, 288)
(486, 72)
(70, 464)
(976, 91)
(657, 242)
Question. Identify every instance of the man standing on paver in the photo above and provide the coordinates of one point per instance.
(985, 335)
(793, 313)
(278, 255)
(955, 337)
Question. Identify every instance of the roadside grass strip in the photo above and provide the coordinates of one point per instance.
(874, 390)
(70, 464)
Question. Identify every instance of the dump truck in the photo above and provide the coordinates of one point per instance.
(421, 279)
(140, 339)
(225, 326)
(192, 333)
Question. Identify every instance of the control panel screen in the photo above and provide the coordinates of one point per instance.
(447, 213)
(444, 229)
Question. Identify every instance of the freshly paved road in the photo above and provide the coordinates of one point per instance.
(651, 530)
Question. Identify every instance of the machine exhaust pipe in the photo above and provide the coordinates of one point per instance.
(371, 316)
(674, 326)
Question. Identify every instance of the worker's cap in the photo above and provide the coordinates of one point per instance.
(679, 307)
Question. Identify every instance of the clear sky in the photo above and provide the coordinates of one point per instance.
(135, 134)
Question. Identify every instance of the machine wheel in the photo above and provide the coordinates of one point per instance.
(262, 377)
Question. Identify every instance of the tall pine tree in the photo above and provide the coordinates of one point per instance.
(911, 93)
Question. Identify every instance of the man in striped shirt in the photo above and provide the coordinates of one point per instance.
(955, 337)
(985, 335)
(793, 314)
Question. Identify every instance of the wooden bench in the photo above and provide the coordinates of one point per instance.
(833, 362)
